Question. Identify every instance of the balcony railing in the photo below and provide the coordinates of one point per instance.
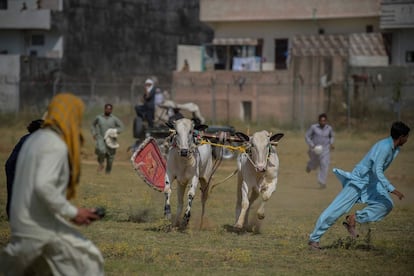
(264, 10)
(26, 19)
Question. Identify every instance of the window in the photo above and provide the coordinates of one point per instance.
(3, 4)
(33, 53)
(387, 37)
(321, 31)
(247, 111)
(222, 54)
(409, 56)
(38, 40)
(281, 53)
(369, 28)
(259, 48)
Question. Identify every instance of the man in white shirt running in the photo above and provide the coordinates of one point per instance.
(43, 239)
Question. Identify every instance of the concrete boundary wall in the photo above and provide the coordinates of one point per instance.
(367, 94)
(9, 83)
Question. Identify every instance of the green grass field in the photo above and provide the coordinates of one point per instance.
(134, 240)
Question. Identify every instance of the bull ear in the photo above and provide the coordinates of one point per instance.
(201, 127)
(242, 136)
(276, 137)
(196, 121)
(170, 125)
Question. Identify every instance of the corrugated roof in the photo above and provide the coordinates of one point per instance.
(361, 44)
(320, 45)
(367, 44)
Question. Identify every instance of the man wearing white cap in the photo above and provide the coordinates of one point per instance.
(146, 111)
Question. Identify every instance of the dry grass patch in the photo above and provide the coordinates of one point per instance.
(136, 240)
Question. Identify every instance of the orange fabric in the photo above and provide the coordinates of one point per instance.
(64, 114)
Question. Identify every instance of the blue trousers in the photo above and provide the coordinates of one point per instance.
(378, 206)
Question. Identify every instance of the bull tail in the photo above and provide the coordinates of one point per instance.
(216, 165)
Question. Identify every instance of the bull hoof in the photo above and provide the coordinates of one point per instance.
(232, 229)
(185, 221)
(260, 217)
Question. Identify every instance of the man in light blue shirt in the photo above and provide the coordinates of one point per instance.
(365, 184)
(320, 135)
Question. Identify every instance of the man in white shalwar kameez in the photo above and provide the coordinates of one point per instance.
(320, 135)
(43, 241)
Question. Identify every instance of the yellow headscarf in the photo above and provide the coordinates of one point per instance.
(64, 114)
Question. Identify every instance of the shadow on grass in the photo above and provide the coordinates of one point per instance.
(147, 216)
(363, 243)
(252, 228)
(140, 216)
(165, 227)
(240, 231)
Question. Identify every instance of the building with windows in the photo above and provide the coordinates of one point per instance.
(26, 28)
(284, 61)
(397, 28)
(97, 49)
(269, 28)
(295, 59)
(30, 45)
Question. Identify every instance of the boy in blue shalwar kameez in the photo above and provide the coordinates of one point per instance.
(365, 184)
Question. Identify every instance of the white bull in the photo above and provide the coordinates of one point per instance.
(187, 163)
(257, 174)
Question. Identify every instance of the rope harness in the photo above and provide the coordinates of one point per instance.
(233, 148)
(245, 150)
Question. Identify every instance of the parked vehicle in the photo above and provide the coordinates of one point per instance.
(141, 131)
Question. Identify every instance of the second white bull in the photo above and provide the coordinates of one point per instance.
(257, 174)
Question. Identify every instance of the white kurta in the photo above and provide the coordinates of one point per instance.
(39, 210)
(316, 135)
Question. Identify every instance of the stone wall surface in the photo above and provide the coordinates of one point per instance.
(110, 48)
(295, 97)
(117, 40)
